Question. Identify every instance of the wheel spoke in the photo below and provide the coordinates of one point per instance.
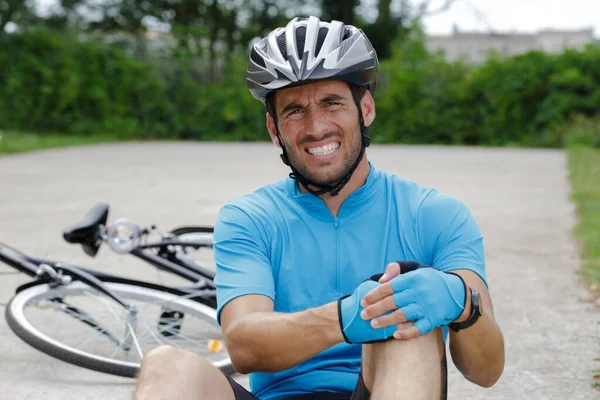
(160, 318)
(85, 318)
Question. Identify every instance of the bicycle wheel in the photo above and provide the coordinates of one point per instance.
(80, 325)
(203, 256)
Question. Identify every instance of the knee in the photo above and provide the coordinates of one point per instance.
(425, 350)
(429, 345)
(166, 359)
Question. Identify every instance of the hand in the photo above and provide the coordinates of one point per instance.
(414, 292)
(354, 328)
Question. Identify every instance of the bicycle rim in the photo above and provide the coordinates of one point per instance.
(77, 324)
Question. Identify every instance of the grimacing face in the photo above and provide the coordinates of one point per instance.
(319, 127)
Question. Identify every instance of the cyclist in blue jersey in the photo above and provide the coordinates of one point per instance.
(341, 281)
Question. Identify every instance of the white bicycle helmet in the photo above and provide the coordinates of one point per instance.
(309, 49)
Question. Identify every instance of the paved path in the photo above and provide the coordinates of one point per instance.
(519, 197)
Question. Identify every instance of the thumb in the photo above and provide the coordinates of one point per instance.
(392, 270)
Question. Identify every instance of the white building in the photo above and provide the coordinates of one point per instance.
(474, 47)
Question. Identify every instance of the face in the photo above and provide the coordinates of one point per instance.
(319, 127)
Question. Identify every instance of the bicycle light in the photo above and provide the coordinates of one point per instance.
(123, 235)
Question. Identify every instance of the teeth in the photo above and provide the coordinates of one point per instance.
(324, 150)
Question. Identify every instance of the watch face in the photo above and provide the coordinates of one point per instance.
(479, 304)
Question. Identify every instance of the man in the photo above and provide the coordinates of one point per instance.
(301, 300)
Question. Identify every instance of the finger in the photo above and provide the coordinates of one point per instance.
(392, 270)
(379, 293)
(423, 325)
(405, 325)
(379, 308)
(394, 318)
(409, 333)
(412, 312)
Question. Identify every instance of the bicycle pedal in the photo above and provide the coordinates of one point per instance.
(170, 323)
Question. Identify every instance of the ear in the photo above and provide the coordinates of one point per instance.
(368, 108)
(272, 130)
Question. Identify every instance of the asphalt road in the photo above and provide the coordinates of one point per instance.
(520, 199)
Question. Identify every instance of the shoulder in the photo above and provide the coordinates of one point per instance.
(438, 202)
(443, 214)
(423, 202)
(254, 207)
(407, 192)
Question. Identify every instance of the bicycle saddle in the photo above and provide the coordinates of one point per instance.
(85, 232)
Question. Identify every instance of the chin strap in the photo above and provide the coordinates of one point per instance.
(335, 189)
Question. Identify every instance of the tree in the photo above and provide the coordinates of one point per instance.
(392, 25)
(339, 10)
(19, 12)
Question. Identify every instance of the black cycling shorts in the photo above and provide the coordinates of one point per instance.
(360, 391)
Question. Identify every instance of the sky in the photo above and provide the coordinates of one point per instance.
(507, 15)
(517, 16)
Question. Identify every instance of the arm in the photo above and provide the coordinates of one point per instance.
(259, 339)
(452, 237)
(430, 298)
(478, 351)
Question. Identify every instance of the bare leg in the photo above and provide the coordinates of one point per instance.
(169, 373)
(411, 369)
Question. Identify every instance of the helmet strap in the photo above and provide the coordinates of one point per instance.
(335, 189)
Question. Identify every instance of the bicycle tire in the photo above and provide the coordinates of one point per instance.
(23, 328)
(192, 229)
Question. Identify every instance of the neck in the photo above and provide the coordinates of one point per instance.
(358, 179)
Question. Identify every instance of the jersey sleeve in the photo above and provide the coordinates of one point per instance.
(450, 235)
(241, 258)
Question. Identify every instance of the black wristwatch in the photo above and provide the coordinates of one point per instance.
(476, 312)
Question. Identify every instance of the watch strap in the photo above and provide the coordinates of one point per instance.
(473, 317)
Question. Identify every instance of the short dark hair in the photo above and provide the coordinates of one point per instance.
(357, 92)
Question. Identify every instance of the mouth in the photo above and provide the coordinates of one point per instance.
(323, 151)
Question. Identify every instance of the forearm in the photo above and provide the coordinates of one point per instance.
(272, 341)
(478, 351)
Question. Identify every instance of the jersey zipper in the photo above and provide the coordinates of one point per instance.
(336, 232)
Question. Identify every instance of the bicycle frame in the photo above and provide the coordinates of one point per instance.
(91, 232)
(54, 272)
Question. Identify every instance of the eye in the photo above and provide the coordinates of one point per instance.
(293, 113)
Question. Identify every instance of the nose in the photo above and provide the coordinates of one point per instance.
(317, 124)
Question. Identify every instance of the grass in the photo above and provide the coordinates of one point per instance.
(18, 142)
(584, 167)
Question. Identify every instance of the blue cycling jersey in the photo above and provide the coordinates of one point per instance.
(287, 245)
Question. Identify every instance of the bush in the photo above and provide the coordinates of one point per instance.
(51, 82)
(55, 83)
(581, 131)
(506, 101)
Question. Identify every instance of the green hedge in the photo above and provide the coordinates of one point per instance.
(57, 83)
(54, 83)
(507, 101)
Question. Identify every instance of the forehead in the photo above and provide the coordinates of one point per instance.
(314, 90)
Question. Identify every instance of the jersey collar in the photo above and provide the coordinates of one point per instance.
(356, 202)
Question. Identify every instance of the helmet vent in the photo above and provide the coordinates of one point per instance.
(343, 49)
(345, 45)
(320, 39)
(347, 33)
(282, 46)
(257, 58)
(300, 39)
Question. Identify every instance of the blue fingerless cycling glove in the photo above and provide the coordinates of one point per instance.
(430, 297)
(354, 328)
